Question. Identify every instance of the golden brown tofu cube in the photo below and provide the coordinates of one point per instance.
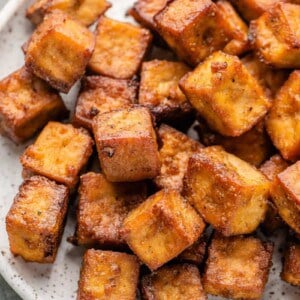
(120, 48)
(26, 105)
(59, 50)
(102, 208)
(214, 176)
(239, 44)
(176, 282)
(162, 227)
(237, 267)
(108, 275)
(101, 94)
(60, 152)
(285, 193)
(275, 36)
(174, 155)
(84, 11)
(35, 221)
(193, 29)
(270, 79)
(225, 94)
(126, 144)
(282, 121)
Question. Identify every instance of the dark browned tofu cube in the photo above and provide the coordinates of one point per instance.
(59, 50)
(108, 275)
(101, 94)
(214, 176)
(35, 221)
(193, 29)
(26, 105)
(60, 153)
(237, 267)
(162, 227)
(285, 192)
(174, 154)
(126, 144)
(120, 48)
(225, 94)
(176, 282)
(102, 208)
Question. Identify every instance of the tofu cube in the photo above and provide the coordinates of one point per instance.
(282, 121)
(35, 221)
(126, 144)
(159, 90)
(26, 105)
(176, 282)
(162, 227)
(275, 36)
(101, 94)
(193, 29)
(59, 50)
(84, 11)
(60, 152)
(285, 192)
(214, 176)
(120, 48)
(225, 94)
(237, 267)
(102, 208)
(108, 275)
(174, 155)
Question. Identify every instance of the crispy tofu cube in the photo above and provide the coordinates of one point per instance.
(35, 221)
(26, 105)
(108, 275)
(162, 227)
(270, 79)
(193, 28)
(174, 154)
(159, 90)
(239, 44)
(126, 144)
(176, 282)
(283, 120)
(225, 94)
(101, 94)
(102, 208)
(237, 267)
(285, 192)
(60, 152)
(276, 37)
(120, 48)
(59, 50)
(84, 11)
(214, 176)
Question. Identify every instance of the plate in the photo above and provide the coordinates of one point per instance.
(59, 281)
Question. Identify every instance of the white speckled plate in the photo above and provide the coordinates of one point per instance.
(59, 281)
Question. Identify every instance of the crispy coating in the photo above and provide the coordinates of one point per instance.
(237, 267)
(176, 282)
(26, 105)
(214, 176)
(126, 144)
(174, 154)
(102, 208)
(120, 48)
(101, 94)
(35, 221)
(60, 153)
(161, 228)
(225, 94)
(108, 275)
(59, 50)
